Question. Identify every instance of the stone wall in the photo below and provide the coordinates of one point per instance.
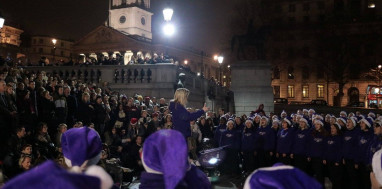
(157, 80)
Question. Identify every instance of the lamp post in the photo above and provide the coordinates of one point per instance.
(2, 20)
(54, 41)
(168, 28)
(220, 60)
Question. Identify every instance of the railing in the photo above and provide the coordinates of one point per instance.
(146, 79)
(114, 74)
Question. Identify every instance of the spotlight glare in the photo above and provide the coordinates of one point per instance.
(169, 29)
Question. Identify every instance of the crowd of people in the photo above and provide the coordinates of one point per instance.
(106, 60)
(37, 109)
(339, 147)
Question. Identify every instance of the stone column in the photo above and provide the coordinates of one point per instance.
(251, 84)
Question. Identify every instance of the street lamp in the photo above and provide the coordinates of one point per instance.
(167, 14)
(2, 20)
(220, 60)
(185, 62)
(168, 28)
(54, 41)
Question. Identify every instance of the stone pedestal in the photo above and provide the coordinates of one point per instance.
(251, 84)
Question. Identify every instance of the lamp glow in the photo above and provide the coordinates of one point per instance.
(215, 57)
(169, 29)
(220, 59)
(54, 41)
(379, 66)
(213, 161)
(198, 73)
(186, 62)
(376, 90)
(167, 14)
(371, 5)
(2, 20)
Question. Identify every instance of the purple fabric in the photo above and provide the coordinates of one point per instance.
(50, 175)
(181, 118)
(281, 177)
(80, 144)
(166, 151)
(194, 178)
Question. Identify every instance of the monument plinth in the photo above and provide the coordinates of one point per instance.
(251, 84)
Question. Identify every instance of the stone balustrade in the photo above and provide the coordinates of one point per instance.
(157, 80)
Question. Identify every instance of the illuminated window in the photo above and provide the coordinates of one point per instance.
(305, 91)
(320, 91)
(290, 91)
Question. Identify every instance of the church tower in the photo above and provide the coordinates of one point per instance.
(131, 17)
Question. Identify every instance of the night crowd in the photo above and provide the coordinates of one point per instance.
(37, 108)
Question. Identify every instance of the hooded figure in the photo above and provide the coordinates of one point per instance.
(81, 147)
(281, 177)
(51, 175)
(165, 160)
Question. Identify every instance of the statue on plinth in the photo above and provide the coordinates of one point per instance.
(252, 39)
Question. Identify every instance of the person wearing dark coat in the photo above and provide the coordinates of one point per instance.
(260, 110)
(205, 128)
(85, 110)
(61, 106)
(361, 160)
(134, 154)
(285, 138)
(316, 149)
(26, 111)
(299, 149)
(248, 147)
(230, 138)
(72, 106)
(149, 128)
(265, 143)
(349, 154)
(100, 115)
(333, 156)
(132, 110)
(47, 113)
(180, 116)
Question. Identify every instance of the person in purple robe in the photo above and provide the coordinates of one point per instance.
(281, 177)
(265, 143)
(165, 159)
(349, 153)
(51, 175)
(285, 138)
(180, 116)
(364, 140)
(248, 147)
(316, 147)
(333, 155)
(300, 148)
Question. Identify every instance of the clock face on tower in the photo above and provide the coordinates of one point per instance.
(122, 19)
(143, 21)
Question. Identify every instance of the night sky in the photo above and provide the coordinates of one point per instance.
(202, 24)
